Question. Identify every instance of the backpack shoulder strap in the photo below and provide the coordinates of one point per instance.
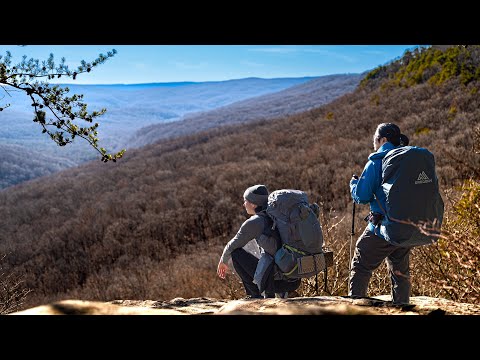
(268, 222)
(269, 228)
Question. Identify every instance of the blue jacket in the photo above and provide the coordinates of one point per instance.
(370, 183)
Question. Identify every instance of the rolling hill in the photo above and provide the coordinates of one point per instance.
(21, 164)
(295, 99)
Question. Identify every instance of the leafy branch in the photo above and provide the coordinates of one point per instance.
(54, 109)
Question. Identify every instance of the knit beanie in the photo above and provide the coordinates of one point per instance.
(257, 194)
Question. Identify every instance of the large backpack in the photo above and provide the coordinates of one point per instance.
(410, 184)
(296, 220)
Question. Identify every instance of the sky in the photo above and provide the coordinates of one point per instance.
(135, 64)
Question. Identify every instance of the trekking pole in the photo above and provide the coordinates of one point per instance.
(351, 242)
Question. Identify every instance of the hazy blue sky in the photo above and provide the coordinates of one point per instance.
(170, 63)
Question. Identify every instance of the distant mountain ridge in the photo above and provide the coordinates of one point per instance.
(182, 83)
(142, 85)
(295, 99)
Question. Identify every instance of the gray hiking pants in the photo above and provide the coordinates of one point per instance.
(370, 251)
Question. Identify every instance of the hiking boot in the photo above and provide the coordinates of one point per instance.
(283, 295)
(292, 294)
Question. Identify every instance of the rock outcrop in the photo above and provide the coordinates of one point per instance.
(318, 305)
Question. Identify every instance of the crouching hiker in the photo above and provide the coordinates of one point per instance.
(256, 274)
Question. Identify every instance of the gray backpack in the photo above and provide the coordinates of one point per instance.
(297, 222)
(410, 184)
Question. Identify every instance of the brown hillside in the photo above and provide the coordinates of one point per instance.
(152, 226)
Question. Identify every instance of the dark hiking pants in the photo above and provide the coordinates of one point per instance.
(245, 265)
(370, 251)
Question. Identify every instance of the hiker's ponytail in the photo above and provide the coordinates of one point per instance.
(404, 140)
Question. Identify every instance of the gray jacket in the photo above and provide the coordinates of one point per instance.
(251, 229)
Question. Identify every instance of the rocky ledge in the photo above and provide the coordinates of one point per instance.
(318, 305)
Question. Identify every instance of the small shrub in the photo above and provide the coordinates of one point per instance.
(422, 130)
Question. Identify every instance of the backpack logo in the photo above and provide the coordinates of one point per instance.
(423, 178)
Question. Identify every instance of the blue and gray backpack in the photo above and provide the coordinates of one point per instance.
(414, 206)
(300, 254)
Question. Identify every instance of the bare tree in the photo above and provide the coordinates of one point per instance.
(12, 291)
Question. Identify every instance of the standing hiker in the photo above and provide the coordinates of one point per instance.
(371, 247)
(245, 264)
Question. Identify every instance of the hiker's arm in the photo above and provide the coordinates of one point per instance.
(362, 190)
(250, 229)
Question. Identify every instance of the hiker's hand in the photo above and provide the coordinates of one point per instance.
(354, 179)
(222, 270)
